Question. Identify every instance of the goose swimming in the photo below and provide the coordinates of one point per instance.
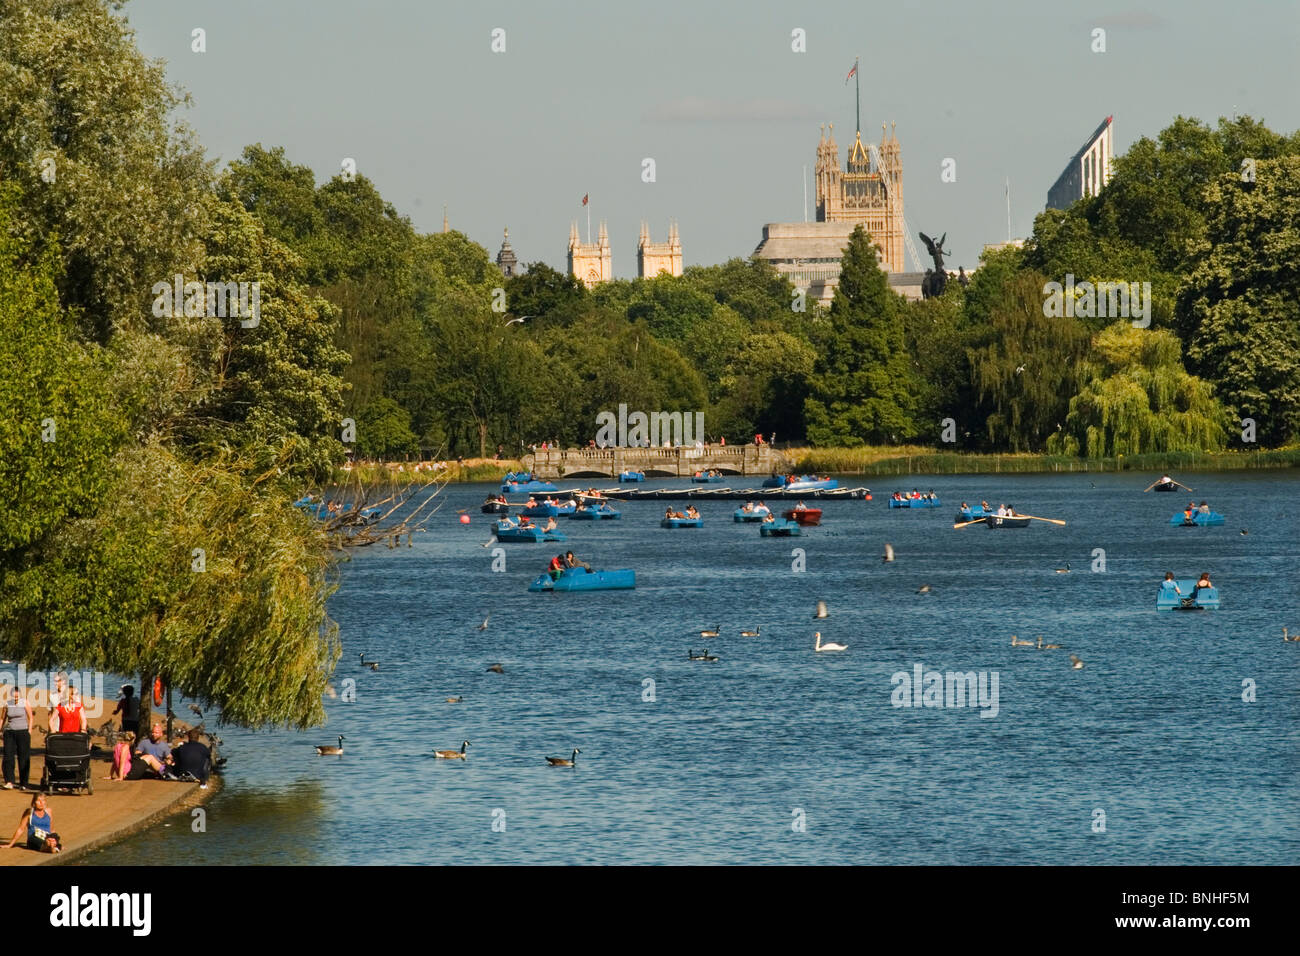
(712, 633)
(497, 669)
(453, 754)
(1064, 570)
(1017, 642)
(561, 762)
(1047, 647)
(831, 646)
(923, 589)
(328, 750)
(753, 633)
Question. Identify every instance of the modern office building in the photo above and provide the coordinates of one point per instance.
(1087, 171)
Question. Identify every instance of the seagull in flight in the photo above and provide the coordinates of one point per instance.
(1019, 369)
(483, 626)
(520, 319)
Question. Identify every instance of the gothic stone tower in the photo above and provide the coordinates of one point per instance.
(863, 194)
(654, 259)
(507, 262)
(590, 263)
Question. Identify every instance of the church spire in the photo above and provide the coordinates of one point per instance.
(445, 227)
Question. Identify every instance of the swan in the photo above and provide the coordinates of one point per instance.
(561, 762)
(1296, 638)
(453, 754)
(819, 646)
(328, 750)
(1017, 642)
(1047, 647)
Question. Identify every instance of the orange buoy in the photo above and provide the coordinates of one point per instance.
(464, 519)
(157, 692)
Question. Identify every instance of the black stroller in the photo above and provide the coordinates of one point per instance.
(67, 762)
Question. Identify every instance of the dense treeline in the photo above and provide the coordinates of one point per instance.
(150, 444)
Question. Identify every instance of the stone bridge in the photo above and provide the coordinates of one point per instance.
(748, 460)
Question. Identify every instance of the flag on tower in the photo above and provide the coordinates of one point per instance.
(852, 73)
(584, 198)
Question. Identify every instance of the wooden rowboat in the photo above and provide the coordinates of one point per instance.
(804, 516)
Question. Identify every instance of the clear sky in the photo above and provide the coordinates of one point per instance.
(713, 92)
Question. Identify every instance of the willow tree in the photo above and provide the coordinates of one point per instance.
(1027, 369)
(1136, 397)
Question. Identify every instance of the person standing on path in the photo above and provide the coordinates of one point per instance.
(17, 721)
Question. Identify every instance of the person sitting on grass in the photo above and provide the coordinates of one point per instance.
(149, 757)
(192, 761)
(35, 828)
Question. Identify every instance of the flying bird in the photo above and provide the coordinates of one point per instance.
(889, 553)
(1075, 663)
(486, 618)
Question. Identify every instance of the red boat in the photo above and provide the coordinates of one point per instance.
(804, 516)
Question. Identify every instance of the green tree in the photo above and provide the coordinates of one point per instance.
(1137, 398)
(1238, 306)
(863, 386)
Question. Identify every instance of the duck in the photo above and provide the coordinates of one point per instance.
(1017, 642)
(455, 700)
(562, 762)
(821, 610)
(453, 754)
(1064, 570)
(923, 589)
(1244, 531)
(830, 646)
(712, 633)
(753, 633)
(1075, 663)
(329, 750)
(1291, 639)
(1047, 647)
(889, 553)
(497, 669)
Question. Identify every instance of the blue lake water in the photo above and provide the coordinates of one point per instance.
(729, 757)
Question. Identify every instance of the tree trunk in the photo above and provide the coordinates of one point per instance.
(146, 705)
(482, 439)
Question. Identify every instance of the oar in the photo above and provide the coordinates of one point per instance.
(1181, 485)
(1036, 518)
(1152, 485)
(976, 521)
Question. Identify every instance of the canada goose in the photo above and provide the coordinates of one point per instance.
(702, 656)
(1075, 663)
(819, 646)
(1017, 642)
(821, 610)
(1046, 647)
(373, 665)
(1244, 531)
(889, 553)
(327, 750)
(1064, 570)
(497, 669)
(712, 633)
(923, 589)
(1295, 639)
(561, 762)
(753, 633)
(455, 700)
(452, 754)
(486, 618)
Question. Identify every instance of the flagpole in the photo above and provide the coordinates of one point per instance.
(589, 219)
(857, 89)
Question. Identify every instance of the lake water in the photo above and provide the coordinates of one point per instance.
(729, 759)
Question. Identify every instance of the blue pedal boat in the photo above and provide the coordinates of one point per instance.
(781, 529)
(631, 476)
(970, 514)
(527, 487)
(916, 503)
(681, 523)
(1199, 519)
(758, 514)
(599, 513)
(706, 479)
(1190, 600)
(513, 534)
(812, 484)
(580, 579)
(541, 510)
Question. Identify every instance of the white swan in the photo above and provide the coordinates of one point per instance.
(828, 647)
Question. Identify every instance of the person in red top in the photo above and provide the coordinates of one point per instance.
(556, 567)
(72, 716)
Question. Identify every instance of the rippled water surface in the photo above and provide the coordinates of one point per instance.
(728, 758)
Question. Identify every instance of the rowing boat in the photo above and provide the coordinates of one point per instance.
(1005, 521)
(580, 579)
(804, 516)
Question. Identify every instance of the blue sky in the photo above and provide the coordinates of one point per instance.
(714, 94)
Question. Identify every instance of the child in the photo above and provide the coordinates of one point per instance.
(122, 758)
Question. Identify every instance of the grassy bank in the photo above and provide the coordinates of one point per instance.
(915, 460)
(472, 469)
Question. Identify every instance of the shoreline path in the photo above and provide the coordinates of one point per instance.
(115, 810)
